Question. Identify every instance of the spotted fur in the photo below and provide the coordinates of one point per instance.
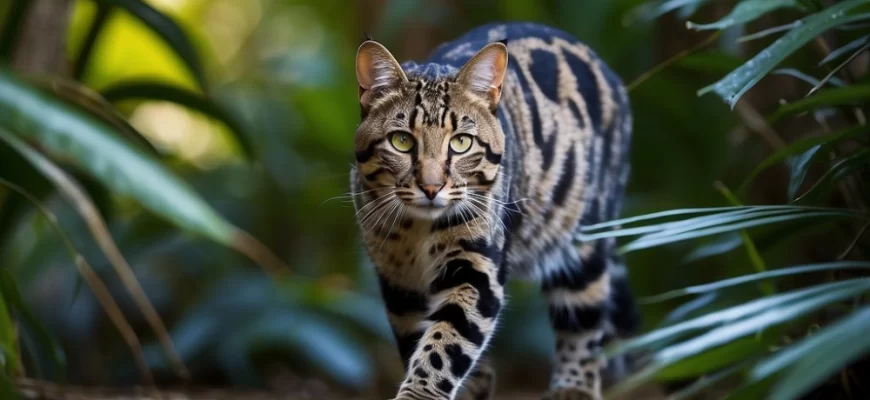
(549, 125)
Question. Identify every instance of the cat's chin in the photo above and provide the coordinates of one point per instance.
(429, 212)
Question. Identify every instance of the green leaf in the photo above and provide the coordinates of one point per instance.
(97, 25)
(800, 146)
(799, 167)
(797, 307)
(853, 45)
(752, 278)
(841, 169)
(717, 246)
(745, 11)
(838, 96)
(45, 339)
(68, 134)
(659, 239)
(730, 316)
(739, 81)
(165, 92)
(168, 30)
(807, 78)
(712, 360)
(816, 358)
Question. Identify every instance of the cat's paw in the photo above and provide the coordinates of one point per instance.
(572, 394)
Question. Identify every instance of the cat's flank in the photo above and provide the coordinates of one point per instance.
(479, 164)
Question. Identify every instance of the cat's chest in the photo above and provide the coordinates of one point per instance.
(413, 257)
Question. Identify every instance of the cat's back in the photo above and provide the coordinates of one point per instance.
(567, 123)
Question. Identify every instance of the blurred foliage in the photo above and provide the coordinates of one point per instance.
(194, 126)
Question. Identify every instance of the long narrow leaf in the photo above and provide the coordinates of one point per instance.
(722, 317)
(645, 243)
(738, 82)
(168, 30)
(818, 356)
(800, 146)
(705, 382)
(744, 279)
(800, 165)
(745, 11)
(772, 316)
(838, 171)
(161, 91)
(652, 10)
(853, 45)
(69, 134)
(838, 96)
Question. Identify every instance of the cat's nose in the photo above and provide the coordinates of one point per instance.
(431, 190)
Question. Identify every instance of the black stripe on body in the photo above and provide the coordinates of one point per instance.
(460, 363)
(454, 315)
(459, 272)
(547, 147)
(453, 219)
(575, 319)
(407, 345)
(566, 180)
(400, 301)
(587, 86)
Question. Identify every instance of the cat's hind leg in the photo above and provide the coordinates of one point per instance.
(480, 384)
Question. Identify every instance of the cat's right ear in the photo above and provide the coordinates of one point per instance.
(376, 68)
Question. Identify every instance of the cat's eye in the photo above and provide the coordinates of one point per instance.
(402, 141)
(460, 143)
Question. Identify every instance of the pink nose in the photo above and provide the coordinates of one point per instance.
(431, 190)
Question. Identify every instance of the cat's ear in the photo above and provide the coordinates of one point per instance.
(376, 68)
(484, 73)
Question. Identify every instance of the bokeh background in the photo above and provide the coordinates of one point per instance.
(284, 70)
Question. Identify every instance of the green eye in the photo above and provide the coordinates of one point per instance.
(460, 143)
(402, 141)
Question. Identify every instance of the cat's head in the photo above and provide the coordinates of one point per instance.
(433, 143)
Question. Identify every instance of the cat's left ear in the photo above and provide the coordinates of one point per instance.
(484, 74)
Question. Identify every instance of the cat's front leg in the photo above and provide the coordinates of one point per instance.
(463, 306)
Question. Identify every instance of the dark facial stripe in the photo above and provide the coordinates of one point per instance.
(566, 180)
(453, 121)
(365, 155)
(459, 272)
(455, 316)
(374, 174)
(492, 157)
(401, 301)
(412, 122)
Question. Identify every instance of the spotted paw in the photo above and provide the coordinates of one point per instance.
(572, 394)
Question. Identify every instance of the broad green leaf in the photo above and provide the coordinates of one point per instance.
(745, 11)
(753, 323)
(800, 146)
(817, 357)
(729, 316)
(841, 169)
(799, 167)
(739, 81)
(44, 338)
(169, 30)
(71, 135)
(838, 96)
(853, 45)
(751, 278)
(146, 90)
